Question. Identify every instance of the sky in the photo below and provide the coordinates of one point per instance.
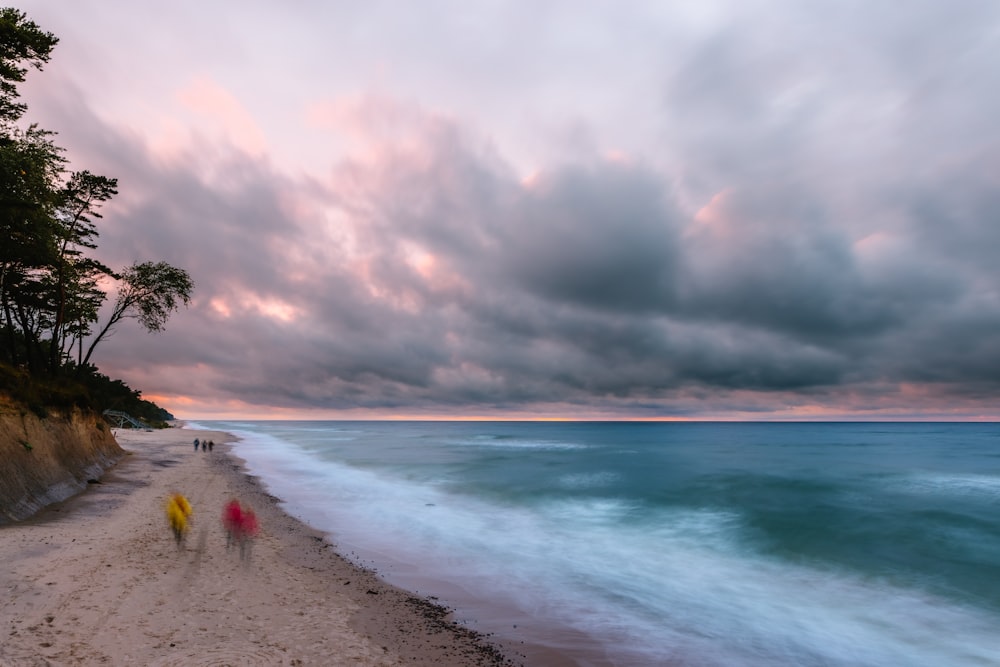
(586, 209)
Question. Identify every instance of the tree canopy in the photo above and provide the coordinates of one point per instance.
(22, 44)
(52, 288)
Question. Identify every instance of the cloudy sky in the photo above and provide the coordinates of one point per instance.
(740, 209)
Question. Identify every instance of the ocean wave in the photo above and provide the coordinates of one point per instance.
(592, 480)
(951, 484)
(514, 443)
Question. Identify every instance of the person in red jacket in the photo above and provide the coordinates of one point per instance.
(232, 519)
(248, 530)
(241, 526)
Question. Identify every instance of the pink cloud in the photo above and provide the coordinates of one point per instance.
(225, 114)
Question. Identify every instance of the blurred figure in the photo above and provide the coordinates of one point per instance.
(248, 531)
(241, 526)
(232, 518)
(178, 513)
(197, 443)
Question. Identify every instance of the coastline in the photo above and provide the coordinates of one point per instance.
(99, 579)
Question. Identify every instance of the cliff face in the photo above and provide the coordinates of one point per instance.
(43, 461)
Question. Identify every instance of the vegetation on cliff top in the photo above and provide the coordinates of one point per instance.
(52, 289)
(90, 391)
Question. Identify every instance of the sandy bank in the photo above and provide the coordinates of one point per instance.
(98, 579)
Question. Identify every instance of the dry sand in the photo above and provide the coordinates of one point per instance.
(99, 580)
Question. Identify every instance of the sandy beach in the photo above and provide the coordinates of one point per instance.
(98, 579)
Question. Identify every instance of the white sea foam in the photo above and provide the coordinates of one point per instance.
(951, 484)
(504, 443)
(671, 584)
(589, 480)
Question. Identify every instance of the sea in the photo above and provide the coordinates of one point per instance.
(682, 543)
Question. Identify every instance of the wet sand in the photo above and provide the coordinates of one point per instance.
(99, 579)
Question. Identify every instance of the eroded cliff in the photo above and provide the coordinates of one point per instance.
(45, 460)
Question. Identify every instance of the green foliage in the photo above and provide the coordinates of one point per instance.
(40, 393)
(87, 390)
(149, 292)
(22, 44)
(108, 394)
(51, 290)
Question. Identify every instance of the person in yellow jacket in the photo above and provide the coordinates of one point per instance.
(178, 513)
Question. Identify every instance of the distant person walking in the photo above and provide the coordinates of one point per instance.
(211, 445)
(196, 444)
(178, 513)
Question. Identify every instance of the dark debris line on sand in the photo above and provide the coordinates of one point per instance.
(438, 618)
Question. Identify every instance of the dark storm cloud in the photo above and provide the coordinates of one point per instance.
(603, 237)
(587, 285)
(814, 224)
(780, 261)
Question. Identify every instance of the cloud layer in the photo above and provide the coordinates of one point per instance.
(755, 210)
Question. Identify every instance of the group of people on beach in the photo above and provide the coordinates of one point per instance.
(204, 444)
(239, 521)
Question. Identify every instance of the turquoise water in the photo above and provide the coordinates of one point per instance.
(680, 543)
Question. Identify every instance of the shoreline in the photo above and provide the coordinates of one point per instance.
(98, 579)
(526, 638)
